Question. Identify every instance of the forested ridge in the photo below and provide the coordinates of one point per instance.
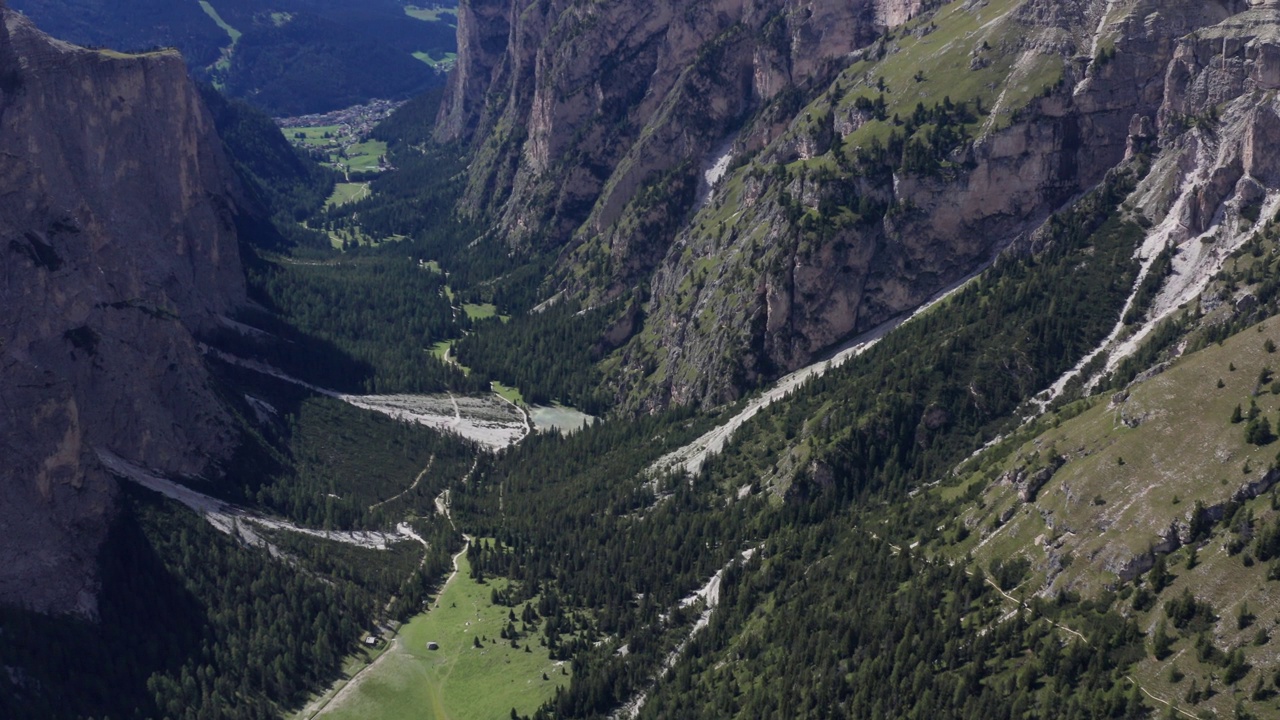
(195, 624)
(192, 625)
(386, 312)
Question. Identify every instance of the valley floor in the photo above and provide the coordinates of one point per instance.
(460, 680)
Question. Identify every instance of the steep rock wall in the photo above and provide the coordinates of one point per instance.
(593, 126)
(786, 265)
(573, 107)
(117, 232)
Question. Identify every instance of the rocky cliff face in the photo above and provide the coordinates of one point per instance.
(864, 156)
(844, 238)
(574, 108)
(117, 231)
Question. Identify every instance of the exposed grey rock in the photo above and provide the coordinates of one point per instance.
(780, 298)
(1254, 488)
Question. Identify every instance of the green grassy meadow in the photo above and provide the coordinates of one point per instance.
(314, 136)
(441, 349)
(444, 62)
(224, 63)
(364, 156)
(508, 392)
(344, 193)
(458, 681)
(482, 311)
(432, 14)
(231, 32)
(1137, 463)
(360, 157)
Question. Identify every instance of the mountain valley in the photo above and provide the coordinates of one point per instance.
(893, 359)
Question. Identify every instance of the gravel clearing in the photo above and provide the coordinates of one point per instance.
(486, 419)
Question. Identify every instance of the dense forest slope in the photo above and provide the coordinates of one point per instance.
(119, 242)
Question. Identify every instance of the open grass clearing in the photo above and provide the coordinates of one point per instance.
(356, 236)
(344, 193)
(352, 665)
(509, 393)
(441, 349)
(319, 136)
(1226, 584)
(1135, 466)
(444, 62)
(459, 680)
(435, 13)
(363, 156)
(480, 311)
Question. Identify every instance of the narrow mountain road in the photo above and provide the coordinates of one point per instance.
(528, 428)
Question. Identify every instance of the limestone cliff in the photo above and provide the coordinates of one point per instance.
(872, 200)
(118, 239)
(1212, 196)
(780, 177)
(575, 107)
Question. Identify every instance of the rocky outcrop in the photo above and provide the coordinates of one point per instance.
(793, 263)
(1028, 481)
(592, 127)
(576, 109)
(118, 236)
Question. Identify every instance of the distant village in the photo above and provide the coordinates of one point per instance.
(342, 129)
(356, 120)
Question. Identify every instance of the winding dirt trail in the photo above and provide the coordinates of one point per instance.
(528, 428)
(409, 489)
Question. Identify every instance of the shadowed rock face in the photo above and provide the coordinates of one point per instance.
(117, 243)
